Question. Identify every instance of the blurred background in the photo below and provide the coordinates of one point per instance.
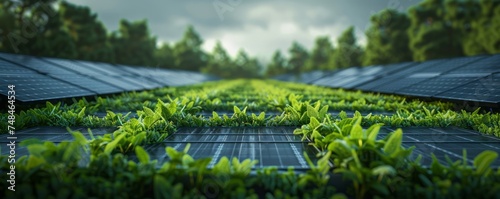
(250, 39)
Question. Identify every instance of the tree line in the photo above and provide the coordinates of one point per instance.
(431, 29)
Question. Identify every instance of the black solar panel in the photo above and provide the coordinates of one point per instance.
(36, 64)
(358, 81)
(7, 67)
(439, 84)
(88, 83)
(73, 66)
(141, 81)
(419, 67)
(103, 68)
(452, 64)
(312, 76)
(486, 89)
(118, 82)
(34, 87)
(383, 76)
(491, 64)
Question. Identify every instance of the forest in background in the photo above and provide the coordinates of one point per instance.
(431, 29)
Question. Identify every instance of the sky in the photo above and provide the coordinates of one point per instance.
(260, 27)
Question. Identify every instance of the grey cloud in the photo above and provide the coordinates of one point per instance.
(257, 26)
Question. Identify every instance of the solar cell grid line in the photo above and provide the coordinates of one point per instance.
(299, 157)
(277, 151)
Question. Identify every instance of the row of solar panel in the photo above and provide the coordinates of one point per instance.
(474, 78)
(40, 78)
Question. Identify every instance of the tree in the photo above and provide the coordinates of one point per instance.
(188, 53)
(164, 56)
(88, 33)
(387, 38)
(298, 58)
(481, 28)
(320, 55)
(219, 62)
(431, 35)
(347, 53)
(246, 67)
(34, 28)
(277, 65)
(132, 44)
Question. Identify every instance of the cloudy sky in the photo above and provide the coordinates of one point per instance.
(258, 26)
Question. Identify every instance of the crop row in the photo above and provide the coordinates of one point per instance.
(370, 167)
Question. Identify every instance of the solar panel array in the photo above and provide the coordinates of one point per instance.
(475, 78)
(41, 78)
(278, 146)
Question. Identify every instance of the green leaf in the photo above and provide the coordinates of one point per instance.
(324, 111)
(223, 166)
(372, 132)
(312, 112)
(384, 170)
(357, 132)
(483, 161)
(142, 155)
(236, 110)
(262, 116)
(314, 123)
(113, 144)
(394, 143)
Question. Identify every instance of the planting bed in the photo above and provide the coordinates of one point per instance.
(253, 138)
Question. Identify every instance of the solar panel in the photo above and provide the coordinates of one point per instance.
(104, 68)
(452, 64)
(439, 84)
(311, 76)
(88, 83)
(7, 67)
(486, 89)
(118, 82)
(36, 64)
(73, 66)
(420, 67)
(491, 64)
(359, 80)
(141, 81)
(271, 146)
(33, 87)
